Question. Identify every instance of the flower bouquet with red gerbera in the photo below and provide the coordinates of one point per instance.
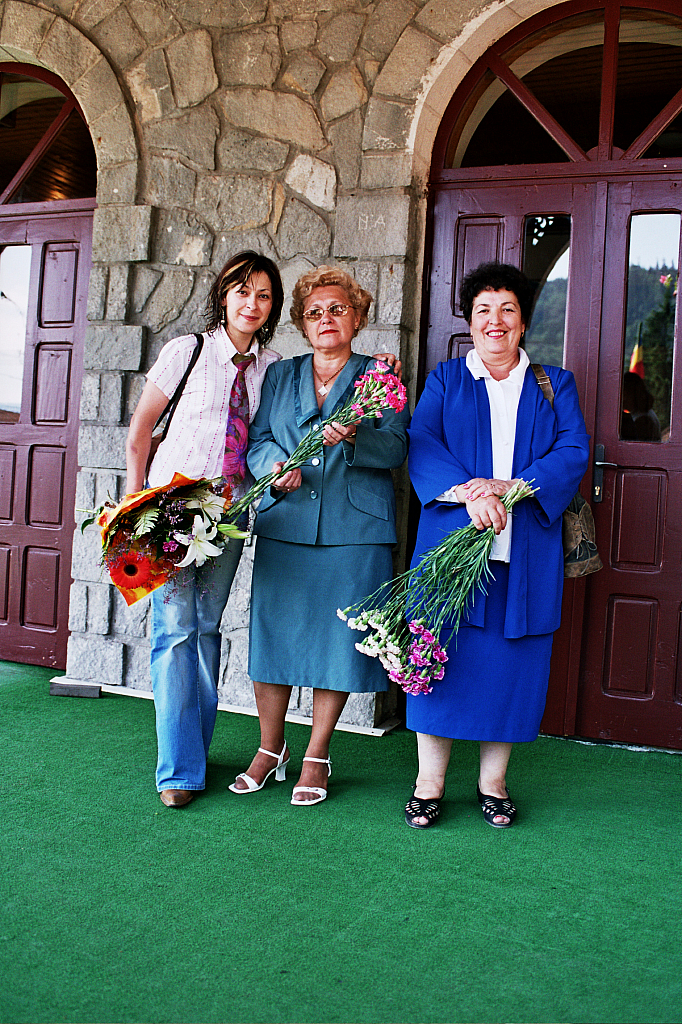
(152, 534)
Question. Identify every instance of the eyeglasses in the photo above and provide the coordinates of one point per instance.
(336, 309)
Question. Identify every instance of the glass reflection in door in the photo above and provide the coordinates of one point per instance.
(546, 246)
(15, 273)
(649, 344)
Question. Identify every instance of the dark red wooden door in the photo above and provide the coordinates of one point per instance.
(44, 266)
(517, 224)
(631, 686)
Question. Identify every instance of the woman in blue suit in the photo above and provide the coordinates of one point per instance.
(481, 424)
(325, 541)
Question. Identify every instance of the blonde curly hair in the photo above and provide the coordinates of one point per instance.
(323, 277)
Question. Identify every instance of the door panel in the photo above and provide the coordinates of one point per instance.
(629, 689)
(39, 438)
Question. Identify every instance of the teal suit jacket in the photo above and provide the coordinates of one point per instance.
(346, 496)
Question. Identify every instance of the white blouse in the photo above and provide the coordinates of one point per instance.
(503, 396)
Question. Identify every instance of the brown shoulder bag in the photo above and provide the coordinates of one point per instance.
(578, 531)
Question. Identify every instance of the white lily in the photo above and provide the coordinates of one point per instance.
(211, 505)
(199, 546)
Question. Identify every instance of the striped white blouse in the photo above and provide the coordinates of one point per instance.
(195, 441)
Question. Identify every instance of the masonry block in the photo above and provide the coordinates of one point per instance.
(136, 673)
(102, 447)
(117, 292)
(181, 238)
(249, 58)
(98, 660)
(99, 608)
(170, 184)
(120, 233)
(190, 59)
(302, 231)
(113, 347)
(372, 226)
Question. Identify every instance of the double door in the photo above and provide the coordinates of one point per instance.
(44, 270)
(604, 257)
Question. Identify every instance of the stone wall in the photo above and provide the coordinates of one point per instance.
(300, 128)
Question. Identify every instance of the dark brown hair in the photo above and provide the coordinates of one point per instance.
(496, 277)
(239, 269)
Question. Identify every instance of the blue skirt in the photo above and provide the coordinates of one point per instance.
(296, 637)
(494, 688)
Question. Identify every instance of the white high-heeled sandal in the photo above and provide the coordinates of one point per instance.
(280, 771)
(321, 794)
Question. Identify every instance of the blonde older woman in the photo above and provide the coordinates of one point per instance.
(327, 542)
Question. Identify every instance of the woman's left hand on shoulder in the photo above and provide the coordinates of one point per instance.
(394, 364)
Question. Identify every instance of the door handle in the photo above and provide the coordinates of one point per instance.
(598, 472)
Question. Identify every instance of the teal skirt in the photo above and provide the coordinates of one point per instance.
(296, 637)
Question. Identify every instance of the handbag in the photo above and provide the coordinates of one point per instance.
(172, 405)
(578, 531)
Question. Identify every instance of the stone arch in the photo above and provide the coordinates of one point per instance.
(32, 35)
(417, 80)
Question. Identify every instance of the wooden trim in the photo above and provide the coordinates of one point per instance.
(49, 208)
(608, 80)
(40, 149)
(589, 170)
(533, 105)
(652, 131)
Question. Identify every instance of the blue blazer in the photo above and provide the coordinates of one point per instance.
(450, 443)
(346, 496)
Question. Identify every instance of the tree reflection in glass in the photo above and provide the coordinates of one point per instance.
(650, 327)
(546, 242)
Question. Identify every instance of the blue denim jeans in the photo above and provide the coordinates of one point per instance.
(185, 661)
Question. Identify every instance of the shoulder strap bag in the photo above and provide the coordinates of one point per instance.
(578, 531)
(173, 404)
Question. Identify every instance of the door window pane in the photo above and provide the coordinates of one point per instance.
(546, 245)
(15, 272)
(650, 327)
(68, 169)
(562, 69)
(649, 75)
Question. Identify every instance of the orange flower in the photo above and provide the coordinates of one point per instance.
(130, 571)
(109, 515)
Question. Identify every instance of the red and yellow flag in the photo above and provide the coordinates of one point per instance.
(637, 360)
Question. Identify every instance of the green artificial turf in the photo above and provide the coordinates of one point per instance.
(238, 910)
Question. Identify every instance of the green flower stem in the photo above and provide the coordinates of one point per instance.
(439, 589)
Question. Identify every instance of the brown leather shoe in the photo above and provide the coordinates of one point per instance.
(176, 797)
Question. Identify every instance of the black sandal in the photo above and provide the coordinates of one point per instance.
(416, 808)
(494, 806)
